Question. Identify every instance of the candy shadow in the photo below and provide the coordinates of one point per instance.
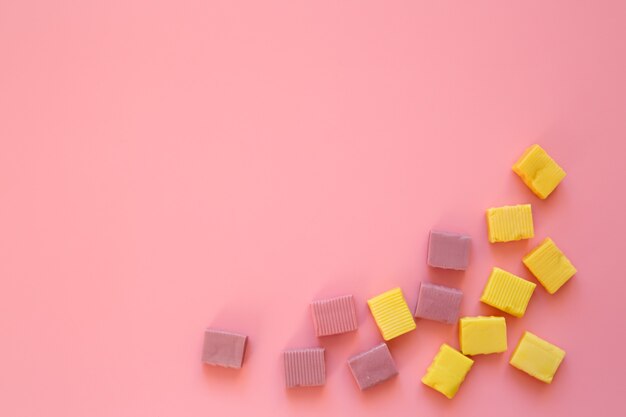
(304, 335)
(221, 375)
(404, 345)
(532, 385)
(337, 348)
(434, 330)
(508, 255)
(443, 276)
(374, 394)
(305, 395)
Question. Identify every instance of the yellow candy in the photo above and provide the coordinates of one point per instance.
(482, 335)
(392, 314)
(508, 223)
(537, 357)
(507, 292)
(538, 171)
(549, 266)
(447, 371)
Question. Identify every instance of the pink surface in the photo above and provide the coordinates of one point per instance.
(172, 165)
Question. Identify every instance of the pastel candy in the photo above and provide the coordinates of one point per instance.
(223, 348)
(447, 371)
(334, 316)
(448, 250)
(507, 292)
(538, 171)
(549, 265)
(304, 367)
(391, 313)
(482, 335)
(372, 367)
(508, 223)
(439, 303)
(537, 357)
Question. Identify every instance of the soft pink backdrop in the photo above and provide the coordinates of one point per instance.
(165, 166)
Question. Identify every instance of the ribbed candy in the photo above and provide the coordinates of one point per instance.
(507, 292)
(334, 315)
(304, 367)
(508, 223)
(391, 313)
(549, 265)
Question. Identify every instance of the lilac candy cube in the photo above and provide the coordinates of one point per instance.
(372, 367)
(223, 348)
(439, 303)
(305, 367)
(334, 316)
(448, 250)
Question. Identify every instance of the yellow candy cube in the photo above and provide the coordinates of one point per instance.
(537, 357)
(508, 223)
(392, 314)
(538, 171)
(549, 265)
(447, 371)
(507, 292)
(482, 335)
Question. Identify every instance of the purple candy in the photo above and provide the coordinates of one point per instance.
(334, 316)
(223, 348)
(436, 302)
(305, 367)
(372, 367)
(448, 250)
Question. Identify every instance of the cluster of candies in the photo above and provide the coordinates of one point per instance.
(477, 335)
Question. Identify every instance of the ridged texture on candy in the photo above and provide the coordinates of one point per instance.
(537, 357)
(508, 223)
(507, 292)
(391, 313)
(304, 367)
(538, 171)
(447, 371)
(549, 265)
(334, 316)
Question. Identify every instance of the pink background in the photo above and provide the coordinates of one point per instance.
(166, 166)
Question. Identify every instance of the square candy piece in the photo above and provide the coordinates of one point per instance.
(537, 357)
(223, 348)
(305, 367)
(447, 371)
(482, 335)
(549, 265)
(448, 250)
(439, 303)
(508, 223)
(392, 314)
(507, 292)
(334, 316)
(372, 367)
(538, 171)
